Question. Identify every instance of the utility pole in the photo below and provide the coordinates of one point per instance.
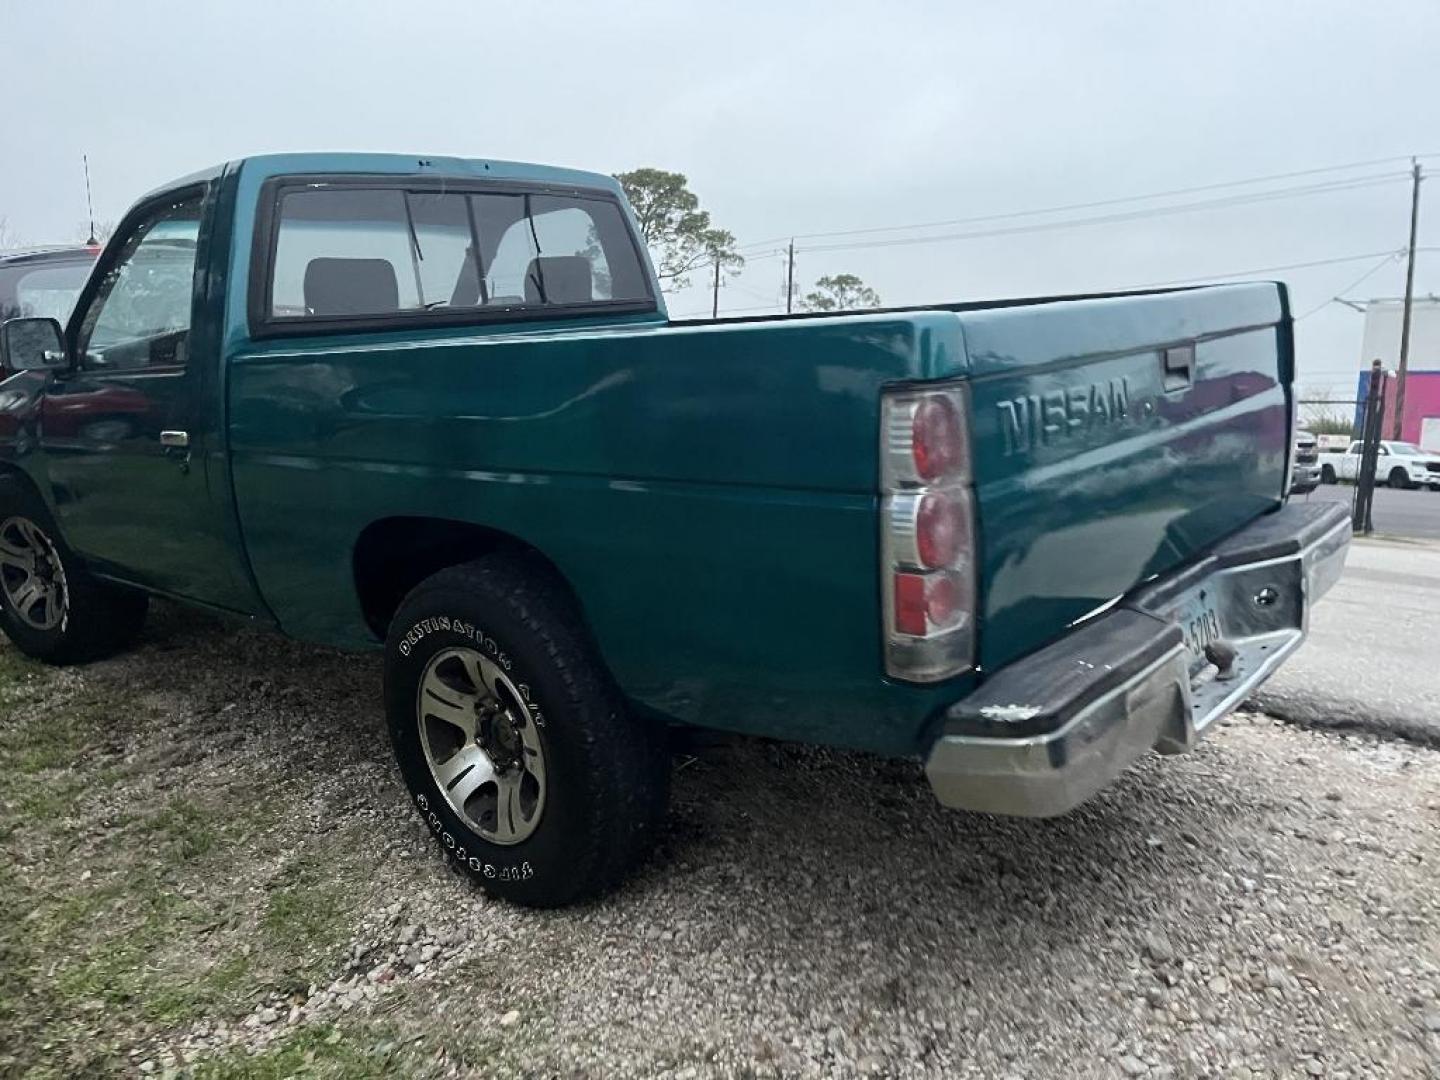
(715, 301)
(90, 205)
(1404, 364)
(1362, 512)
(790, 279)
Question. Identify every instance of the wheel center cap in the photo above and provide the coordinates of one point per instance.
(506, 737)
(498, 735)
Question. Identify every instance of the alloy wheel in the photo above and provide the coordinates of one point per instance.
(482, 745)
(32, 575)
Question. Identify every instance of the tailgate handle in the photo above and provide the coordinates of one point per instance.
(1178, 367)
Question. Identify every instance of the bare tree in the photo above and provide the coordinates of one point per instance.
(103, 231)
(8, 239)
(1321, 413)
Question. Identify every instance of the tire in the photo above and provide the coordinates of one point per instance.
(1327, 474)
(50, 606)
(1399, 478)
(551, 790)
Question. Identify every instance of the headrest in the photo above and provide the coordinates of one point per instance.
(351, 287)
(566, 279)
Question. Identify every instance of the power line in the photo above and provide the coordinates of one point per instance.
(1267, 269)
(1386, 261)
(1133, 215)
(756, 293)
(1383, 256)
(705, 314)
(1094, 204)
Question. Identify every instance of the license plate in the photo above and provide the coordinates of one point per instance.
(1200, 625)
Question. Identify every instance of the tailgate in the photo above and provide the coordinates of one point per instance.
(1114, 439)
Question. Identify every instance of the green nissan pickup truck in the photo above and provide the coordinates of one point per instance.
(436, 407)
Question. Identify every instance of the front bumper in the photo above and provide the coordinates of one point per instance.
(1045, 733)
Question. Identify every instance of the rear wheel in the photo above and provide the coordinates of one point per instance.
(1327, 474)
(1399, 478)
(50, 606)
(513, 741)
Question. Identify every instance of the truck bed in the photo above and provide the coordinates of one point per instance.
(697, 481)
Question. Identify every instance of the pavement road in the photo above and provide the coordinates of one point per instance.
(1396, 513)
(1373, 658)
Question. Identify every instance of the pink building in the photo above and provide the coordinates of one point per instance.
(1420, 423)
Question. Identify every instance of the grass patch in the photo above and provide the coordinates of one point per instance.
(16, 670)
(139, 969)
(139, 893)
(320, 1051)
(308, 911)
(50, 740)
(184, 830)
(63, 734)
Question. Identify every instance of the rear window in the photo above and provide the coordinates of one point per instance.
(42, 291)
(347, 252)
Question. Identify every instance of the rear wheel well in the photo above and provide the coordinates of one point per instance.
(394, 555)
(13, 474)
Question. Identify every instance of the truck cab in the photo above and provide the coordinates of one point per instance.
(436, 407)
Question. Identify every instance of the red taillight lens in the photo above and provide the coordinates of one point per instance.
(940, 529)
(925, 603)
(944, 600)
(910, 604)
(937, 438)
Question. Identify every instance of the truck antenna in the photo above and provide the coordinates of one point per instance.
(89, 205)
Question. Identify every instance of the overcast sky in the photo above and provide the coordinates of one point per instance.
(797, 118)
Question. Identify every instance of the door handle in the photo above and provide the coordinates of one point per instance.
(174, 442)
(1177, 366)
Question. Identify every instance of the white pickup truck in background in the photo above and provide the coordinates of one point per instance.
(1400, 465)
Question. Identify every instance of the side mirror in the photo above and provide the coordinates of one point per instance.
(27, 344)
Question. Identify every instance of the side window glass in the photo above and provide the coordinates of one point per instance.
(1355, 448)
(140, 316)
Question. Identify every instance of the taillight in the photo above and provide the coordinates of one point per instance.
(927, 534)
(936, 437)
(940, 528)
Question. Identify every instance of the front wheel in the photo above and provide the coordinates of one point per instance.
(1399, 478)
(50, 606)
(515, 745)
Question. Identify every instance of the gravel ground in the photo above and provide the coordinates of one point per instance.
(208, 867)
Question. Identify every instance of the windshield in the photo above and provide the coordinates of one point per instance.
(1404, 449)
(41, 291)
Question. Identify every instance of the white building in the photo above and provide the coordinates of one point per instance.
(1381, 340)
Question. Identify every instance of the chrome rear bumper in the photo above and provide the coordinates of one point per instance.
(1044, 734)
